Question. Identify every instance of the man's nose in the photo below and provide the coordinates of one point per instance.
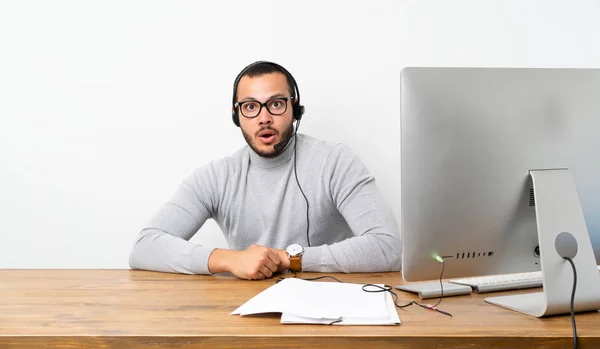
(265, 117)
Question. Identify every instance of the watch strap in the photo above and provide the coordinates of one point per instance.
(296, 263)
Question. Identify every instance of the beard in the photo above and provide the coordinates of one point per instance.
(287, 134)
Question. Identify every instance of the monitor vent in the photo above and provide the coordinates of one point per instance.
(531, 198)
(473, 254)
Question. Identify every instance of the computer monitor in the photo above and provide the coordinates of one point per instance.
(472, 140)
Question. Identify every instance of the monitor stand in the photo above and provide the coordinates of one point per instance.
(558, 210)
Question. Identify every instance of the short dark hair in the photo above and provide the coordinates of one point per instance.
(262, 68)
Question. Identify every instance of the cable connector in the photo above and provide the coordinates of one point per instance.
(439, 259)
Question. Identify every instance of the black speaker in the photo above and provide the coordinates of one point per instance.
(297, 108)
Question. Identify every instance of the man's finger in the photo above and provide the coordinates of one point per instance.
(271, 266)
(265, 271)
(274, 257)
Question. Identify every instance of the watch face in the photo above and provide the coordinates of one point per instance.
(294, 249)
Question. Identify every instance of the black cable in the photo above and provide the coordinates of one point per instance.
(298, 182)
(424, 306)
(388, 288)
(310, 279)
(324, 277)
(575, 345)
(441, 286)
(385, 288)
(441, 277)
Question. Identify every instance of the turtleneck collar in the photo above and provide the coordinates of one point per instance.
(275, 161)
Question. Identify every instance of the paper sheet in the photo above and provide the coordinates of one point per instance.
(302, 301)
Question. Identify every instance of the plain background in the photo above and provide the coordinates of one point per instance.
(105, 106)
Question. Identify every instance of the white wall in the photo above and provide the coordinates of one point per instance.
(105, 106)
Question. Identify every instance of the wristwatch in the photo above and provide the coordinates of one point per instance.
(294, 252)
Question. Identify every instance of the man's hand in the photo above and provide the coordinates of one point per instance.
(254, 263)
(285, 260)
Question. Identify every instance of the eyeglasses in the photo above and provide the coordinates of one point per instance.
(275, 106)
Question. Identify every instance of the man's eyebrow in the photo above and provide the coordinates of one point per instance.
(252, 99)
(248, 99)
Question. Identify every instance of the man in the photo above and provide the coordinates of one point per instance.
(285, 201)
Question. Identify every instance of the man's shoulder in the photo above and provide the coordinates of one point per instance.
(241, 155)
(324, 147)
(317, 144)
(225, 164)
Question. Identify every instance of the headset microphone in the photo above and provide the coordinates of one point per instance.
(280, 145)
(284, 143)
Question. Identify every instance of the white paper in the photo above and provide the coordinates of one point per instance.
(391, 319)
(302, 301)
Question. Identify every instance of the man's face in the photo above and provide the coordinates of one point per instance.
(265, 130)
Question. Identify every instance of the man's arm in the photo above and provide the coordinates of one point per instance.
(163, 245)
(376, 245)
(254, 263)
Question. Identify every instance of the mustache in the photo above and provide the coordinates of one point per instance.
(263, 128)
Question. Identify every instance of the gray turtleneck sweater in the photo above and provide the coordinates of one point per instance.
(256, 200)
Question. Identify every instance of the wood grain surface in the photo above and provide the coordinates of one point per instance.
(141, 309)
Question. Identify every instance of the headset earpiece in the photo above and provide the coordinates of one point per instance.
(298, 111)
(297, 108)
(235, 117)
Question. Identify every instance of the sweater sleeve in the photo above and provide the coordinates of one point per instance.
(376, 244)
(162, 245)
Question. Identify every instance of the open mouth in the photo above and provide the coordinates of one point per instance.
(267, 136)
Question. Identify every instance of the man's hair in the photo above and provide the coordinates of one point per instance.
(260, 69)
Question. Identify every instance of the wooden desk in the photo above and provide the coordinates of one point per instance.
(138, 309)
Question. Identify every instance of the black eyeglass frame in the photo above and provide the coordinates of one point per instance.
(261, 105)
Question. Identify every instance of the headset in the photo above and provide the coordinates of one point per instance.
(297, 112)
(297, 108)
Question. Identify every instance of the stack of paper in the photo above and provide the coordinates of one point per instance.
(309, 302)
